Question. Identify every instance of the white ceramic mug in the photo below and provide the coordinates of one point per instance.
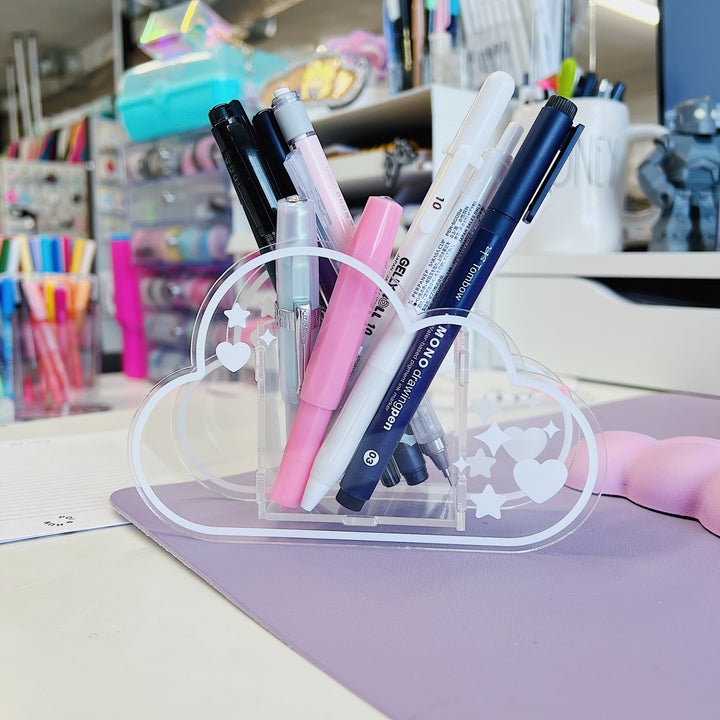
(584, 212)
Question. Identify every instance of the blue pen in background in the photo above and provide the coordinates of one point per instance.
(527, 182)
(393, 62)
(7, 311)
(46, 257)
(36, 253)
(56, 258)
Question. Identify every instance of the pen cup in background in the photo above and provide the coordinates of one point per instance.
(50, 344)
(584, 213)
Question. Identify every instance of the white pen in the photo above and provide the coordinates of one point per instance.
(464, 218)
(299, 133)
(297, 313)
(340, 442)
(463, 157)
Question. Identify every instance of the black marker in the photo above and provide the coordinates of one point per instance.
(274, 150)
(618, 91)
(254, 184)
(587, 85)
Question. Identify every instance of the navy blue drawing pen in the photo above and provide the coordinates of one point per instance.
(528, 180)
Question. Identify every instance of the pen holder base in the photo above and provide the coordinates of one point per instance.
(515, 435)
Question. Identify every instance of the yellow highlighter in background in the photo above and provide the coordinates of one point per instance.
(77, 255)
(50, 301)
(26, 263)
(566, 77)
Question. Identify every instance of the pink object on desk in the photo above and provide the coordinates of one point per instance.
(128, 309)
(677, 475)
(336, 348)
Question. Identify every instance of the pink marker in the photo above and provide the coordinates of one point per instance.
(336, 348)
(61, 324)
(128, 308)
(67, 247)
(46, 345)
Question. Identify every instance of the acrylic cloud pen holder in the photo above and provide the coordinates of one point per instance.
(205, 449)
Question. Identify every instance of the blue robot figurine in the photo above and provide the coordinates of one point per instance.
(682, 177)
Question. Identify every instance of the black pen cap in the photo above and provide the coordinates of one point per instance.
(349, 501)
(232, 112)
(273, 149)
(219, 113)
(391, 477)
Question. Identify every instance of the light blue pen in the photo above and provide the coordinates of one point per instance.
(46, 261)
(298, 308)
(7, 311)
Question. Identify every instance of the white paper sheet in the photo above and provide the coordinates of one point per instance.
(61, 484)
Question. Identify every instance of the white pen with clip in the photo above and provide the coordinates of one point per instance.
(463, 157)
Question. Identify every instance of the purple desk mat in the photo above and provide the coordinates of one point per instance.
(620, 619)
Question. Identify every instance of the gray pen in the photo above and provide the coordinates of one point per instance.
(297, 310)
(431, 437)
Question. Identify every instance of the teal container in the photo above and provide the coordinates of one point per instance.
(166, 97)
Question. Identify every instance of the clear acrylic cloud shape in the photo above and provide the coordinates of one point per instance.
(207, 440)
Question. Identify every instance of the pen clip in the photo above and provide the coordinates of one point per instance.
(301, 320)
(306, 320)
(564, 153)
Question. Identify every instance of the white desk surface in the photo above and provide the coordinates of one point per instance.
(105, 624)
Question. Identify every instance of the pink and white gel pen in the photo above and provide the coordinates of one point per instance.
(336, 347)
(316, 180)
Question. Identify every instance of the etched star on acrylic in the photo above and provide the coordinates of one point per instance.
(480, 464)
(267, 305)
(550, 429)
(461, 464)
(532, 400)
(493, 437)
(267, 337)
(488, 502)
(485, 409)
(237, 317)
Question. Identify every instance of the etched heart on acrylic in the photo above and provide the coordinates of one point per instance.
(233, 356)
(525, 444)
(540, 481)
